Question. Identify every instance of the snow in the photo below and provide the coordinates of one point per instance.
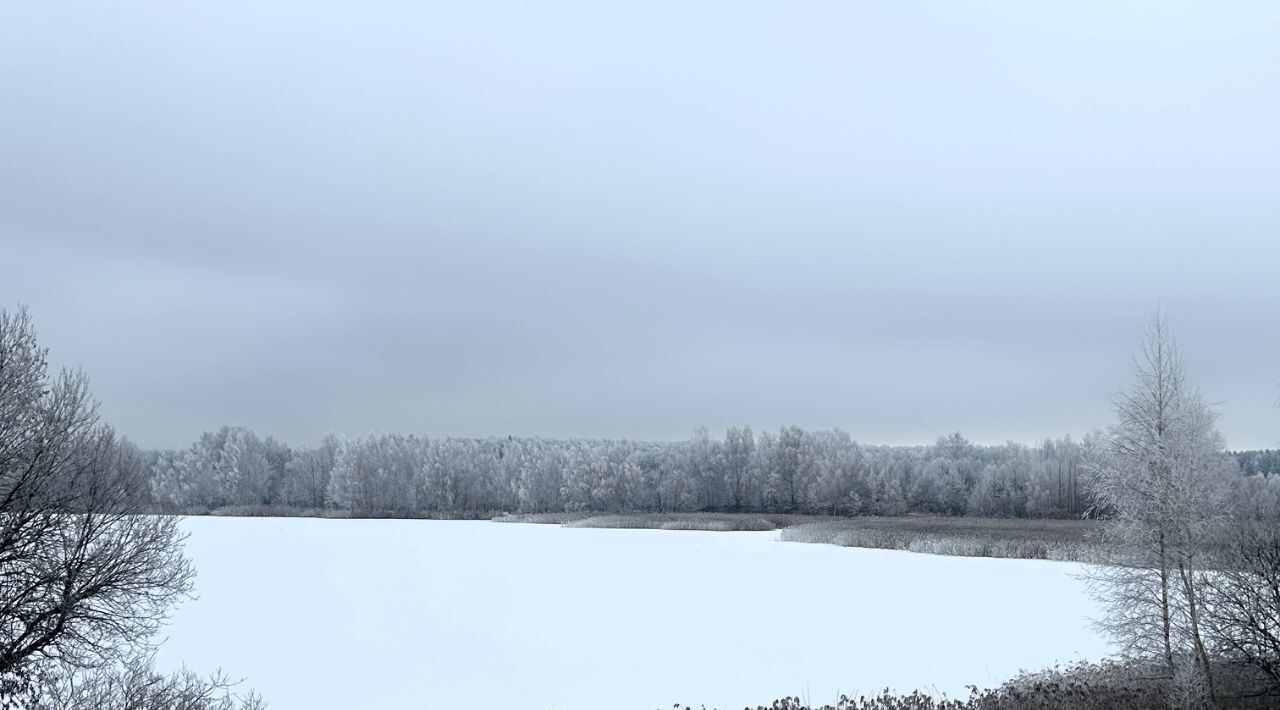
(390, 614)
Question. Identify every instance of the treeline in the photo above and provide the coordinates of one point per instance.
(791, 470)
(1263, 462)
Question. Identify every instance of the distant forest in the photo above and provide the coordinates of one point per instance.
(1263, 462)
(791, 470)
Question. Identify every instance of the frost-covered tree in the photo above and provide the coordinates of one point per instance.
(1001, 488)
(706, 463)
(650, 473)
(242, 471)
(455, 474)
(169, 485)
(786, 468)
(541, 470)
(277, 456)
(739, 457)
(1054, 475)
(838, 474)
(1161, 478)
(378, 475)
(307, 474)
(887, 482)
(228, 467)
(595, 476)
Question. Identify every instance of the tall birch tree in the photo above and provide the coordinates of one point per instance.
(1159, 476)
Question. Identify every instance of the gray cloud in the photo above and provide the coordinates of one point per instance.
(589, 220)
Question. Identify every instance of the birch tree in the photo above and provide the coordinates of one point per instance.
(1160, 479)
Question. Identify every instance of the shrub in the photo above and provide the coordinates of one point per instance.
(1082, 686)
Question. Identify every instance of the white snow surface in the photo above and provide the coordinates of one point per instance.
(391, 614)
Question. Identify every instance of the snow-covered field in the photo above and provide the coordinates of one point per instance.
(389, 614)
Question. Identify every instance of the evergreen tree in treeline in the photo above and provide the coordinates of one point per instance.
(790, 470)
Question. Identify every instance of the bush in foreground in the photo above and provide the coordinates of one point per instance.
(1083, 686)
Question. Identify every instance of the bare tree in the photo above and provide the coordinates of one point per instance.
(136, 685)
(85, 578)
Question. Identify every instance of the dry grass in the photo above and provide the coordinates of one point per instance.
(968, 537)
(720, 522)
(541, 518)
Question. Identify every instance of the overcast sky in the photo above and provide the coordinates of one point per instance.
(596, 219)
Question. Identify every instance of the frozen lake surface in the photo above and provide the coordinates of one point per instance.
(391, 614)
